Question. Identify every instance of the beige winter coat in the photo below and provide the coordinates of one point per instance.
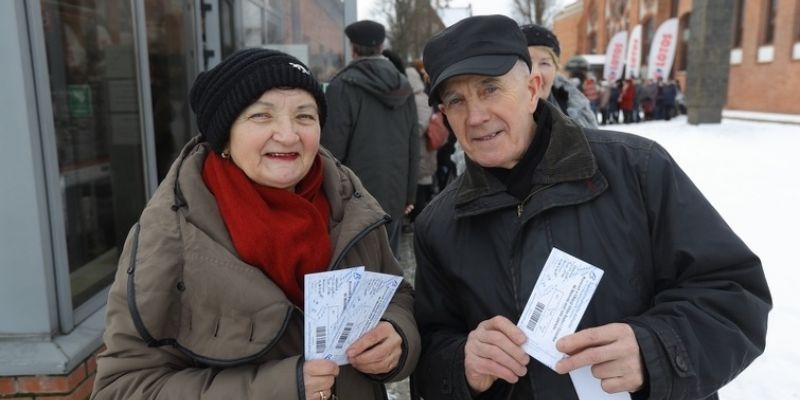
(202, 324)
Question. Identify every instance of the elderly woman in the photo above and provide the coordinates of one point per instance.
(545, 51)
(208, 298)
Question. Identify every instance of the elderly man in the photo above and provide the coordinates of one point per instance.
(682, 306)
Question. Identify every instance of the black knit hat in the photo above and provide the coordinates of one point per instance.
(220, 94)
(538, 35)
(366, 33)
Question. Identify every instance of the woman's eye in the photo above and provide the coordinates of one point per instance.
(307, 117)
(453, 102)
(260, 116)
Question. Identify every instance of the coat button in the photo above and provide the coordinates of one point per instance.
(180, 286)
(357, 195)
(680, 362)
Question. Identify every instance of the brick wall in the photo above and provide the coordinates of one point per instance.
(76, 385)
(754, 86)
(767, 86)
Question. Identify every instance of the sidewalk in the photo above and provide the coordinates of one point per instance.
(762, 116)
(399, 390)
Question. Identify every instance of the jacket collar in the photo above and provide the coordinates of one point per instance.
(346, 196)
(568, 158)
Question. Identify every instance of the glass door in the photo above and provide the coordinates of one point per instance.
(91, 61)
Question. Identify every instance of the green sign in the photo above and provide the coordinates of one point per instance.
(79, 100)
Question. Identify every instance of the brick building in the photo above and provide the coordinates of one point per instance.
(764, 62)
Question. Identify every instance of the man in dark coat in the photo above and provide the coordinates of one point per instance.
(681, 308)
(372, 124)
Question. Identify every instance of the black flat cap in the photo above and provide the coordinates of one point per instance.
(537, 35)
(481, 45)
(366, 33)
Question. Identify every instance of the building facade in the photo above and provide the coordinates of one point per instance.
(94, 110)
(765, 55)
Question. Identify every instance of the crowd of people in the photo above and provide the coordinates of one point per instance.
(285, 179)
(635, 99)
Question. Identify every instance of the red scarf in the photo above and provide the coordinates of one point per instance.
(283, 233)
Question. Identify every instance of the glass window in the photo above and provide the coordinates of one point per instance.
(253, 24)
(797, 22)
(738, 24)
(648, 31)
(683, 49)
(169, 45)
(768, 25)
(92, 67)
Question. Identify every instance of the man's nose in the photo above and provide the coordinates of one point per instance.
(477, 113)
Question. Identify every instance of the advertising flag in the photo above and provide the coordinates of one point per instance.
(615, 56)
(662, 50)
(634, 58)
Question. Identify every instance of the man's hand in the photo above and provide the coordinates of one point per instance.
(409, 208)
(493, 351)
(378, 351)
(611, 350)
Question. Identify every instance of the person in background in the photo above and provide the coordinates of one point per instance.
(427, 157)
(590, 90)
(373, 127)
(670, 93)
(682, 305)
(207, 302)
(626, 99)
(545, 51)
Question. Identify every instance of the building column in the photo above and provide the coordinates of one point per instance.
(709, 60)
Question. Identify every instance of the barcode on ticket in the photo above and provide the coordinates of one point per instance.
(345, 334)
(537, 312)
(320, 339)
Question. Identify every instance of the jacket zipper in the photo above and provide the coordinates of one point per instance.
(521, 205)
(375, 225)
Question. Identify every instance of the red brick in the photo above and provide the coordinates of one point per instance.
(52, 383)
(8, 386)
(82, 392)
(18, 398)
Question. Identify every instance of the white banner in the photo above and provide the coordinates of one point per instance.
(634, 58)
(615, 56)
(662, 50)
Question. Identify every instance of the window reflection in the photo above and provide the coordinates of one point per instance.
(91, 62)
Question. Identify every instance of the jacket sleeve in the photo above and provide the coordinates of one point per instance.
(708, 320)
(440, 373)
(340, 120)
(130, 369)
(413, 151)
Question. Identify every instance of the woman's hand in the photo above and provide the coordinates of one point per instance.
(318, 376)
(378, 351)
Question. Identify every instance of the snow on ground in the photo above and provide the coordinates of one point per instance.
(750, 172)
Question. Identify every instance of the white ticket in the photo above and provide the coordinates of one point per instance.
(557, 303)
(587, 387)
(342, 305)
(363, 312)
(326, 295)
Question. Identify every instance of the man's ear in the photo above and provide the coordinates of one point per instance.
(534, 88)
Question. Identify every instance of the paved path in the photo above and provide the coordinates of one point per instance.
(399, 390)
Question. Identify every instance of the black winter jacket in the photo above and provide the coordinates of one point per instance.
(693, 292)
(372, 128)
